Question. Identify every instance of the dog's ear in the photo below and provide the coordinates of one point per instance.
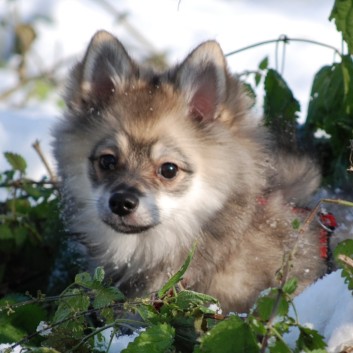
(105, 66)
(202, 77)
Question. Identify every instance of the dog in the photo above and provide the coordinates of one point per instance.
(152, 162)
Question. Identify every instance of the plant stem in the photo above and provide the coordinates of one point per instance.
(38, 149)
(285, 40)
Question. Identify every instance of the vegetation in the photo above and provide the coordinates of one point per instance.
(35, 257)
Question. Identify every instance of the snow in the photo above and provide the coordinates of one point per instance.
(174, 27)
(326, 306)
(118, 343)
(17, 349)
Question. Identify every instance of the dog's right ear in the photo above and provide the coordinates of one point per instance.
(104, 68)
(202, 77)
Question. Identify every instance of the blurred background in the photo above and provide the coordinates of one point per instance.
(41, 39)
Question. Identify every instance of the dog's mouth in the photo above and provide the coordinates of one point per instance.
(128, 228)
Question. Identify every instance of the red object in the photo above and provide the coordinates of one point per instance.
(327, 222)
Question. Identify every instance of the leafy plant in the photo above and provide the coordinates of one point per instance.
(328, 127)
(177, 321)
(342, 13)
(331, 110)
(280, 109)
(31, 235)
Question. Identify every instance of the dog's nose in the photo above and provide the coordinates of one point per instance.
(123, 203)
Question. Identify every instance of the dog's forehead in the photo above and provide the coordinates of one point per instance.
(140, 109)
(145, 144)
(143, 100)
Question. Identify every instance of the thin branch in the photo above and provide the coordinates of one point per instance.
(21, 182)
(47, 74)
(346, 259)
(285, 40)
(122, 17)
(38, 149)
(313, 213)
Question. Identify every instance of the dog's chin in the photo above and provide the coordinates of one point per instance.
(129, 229)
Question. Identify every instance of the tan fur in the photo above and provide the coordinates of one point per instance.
(233, 191)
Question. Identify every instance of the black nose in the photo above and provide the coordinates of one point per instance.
(123, 203)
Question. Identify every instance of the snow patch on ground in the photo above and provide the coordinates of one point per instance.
(118, 343)
(326, 306)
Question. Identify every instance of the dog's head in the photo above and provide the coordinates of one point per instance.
(144, 150)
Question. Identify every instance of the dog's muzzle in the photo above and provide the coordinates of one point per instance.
(123, 203)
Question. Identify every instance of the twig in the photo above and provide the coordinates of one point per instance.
(346, 259)
(285, 40)
(21, 182)
(48, 74)
(315, 210)
(36, 146)
(120, 16)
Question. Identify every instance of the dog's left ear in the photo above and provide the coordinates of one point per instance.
(202, 78)
(103, 69)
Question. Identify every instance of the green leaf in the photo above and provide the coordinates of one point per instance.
(331, 109)
(229, 336)
(178, 276)
(72, 302)
(10, 333)
(347, 74)
(296, 224)
(266, 305)
(309, 340)
(280, 347)
(21, 322)
(99, 274)
(16, 161)
(185, 332)
(84, 279)
(189, 299)
(331, 98)
(9, 176)
(257, 79)
(106, 296)
(264, 63)
(345, 248)
(147, 312)
(342, 13)
(5, 232)
(290, 286)
(156, 339)
(281, 109)
(20, 205)
(31, 190)
(20, 234)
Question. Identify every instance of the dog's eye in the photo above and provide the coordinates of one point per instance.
(168, 170)
(107, 162)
